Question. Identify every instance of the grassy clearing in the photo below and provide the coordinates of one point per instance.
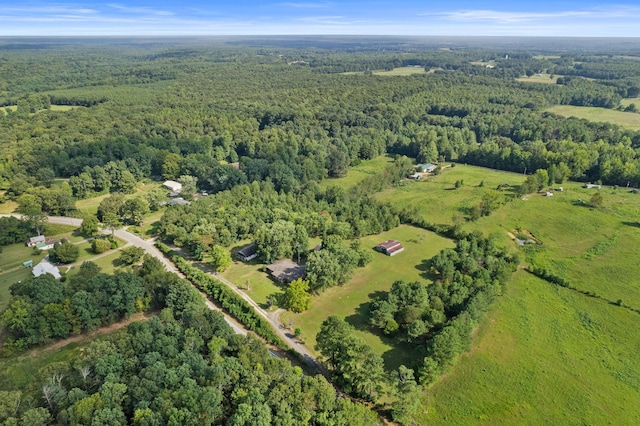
(628, 101)
(544, 355)
(260, 285)
(108, 264)
(402, 71)
(436, 197)
(8, 278)
(351, 301)
(629, 120)
(21, 372)
(357, 173)
(90, 205)
(8, 207)
(542, 78)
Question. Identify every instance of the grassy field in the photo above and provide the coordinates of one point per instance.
(542, 78)
(628, 101)
(8, 207)
(401, 71)
(357, 173)
(260, 285)
(629, 120)
(90, 205)
(544, 354)
(438, 200)
(351, 300)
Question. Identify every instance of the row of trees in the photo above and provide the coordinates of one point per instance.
(438, 319)
(43, 309)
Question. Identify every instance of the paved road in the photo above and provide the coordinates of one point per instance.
(132, 239)
(292, 341)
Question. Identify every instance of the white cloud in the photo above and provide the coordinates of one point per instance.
(140, 10)
(304, 5)
(526, 16)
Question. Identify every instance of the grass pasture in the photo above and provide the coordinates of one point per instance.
(628, 101)
(402, 71)
(628, 120)
(544, 355)
(542, 78)
(351, 300)
(358, 173)
(436, 197)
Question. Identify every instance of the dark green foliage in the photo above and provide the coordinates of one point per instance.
(42, 309)
(357, 369)
(130, 255)
(225, 297)
(334, 263)
(182, 367)
(14, 230)
(439, 318)
(64, 252)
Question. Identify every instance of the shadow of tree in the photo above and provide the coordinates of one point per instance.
(401, 353)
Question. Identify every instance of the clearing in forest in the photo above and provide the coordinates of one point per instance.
(351, 300)
(628, 120)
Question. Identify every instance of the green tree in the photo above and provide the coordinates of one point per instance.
(112, 221)
(296, 297)
(89, 226)
(100, 245)
(134, 210)
(31, 208)
(130, 255)
(189, 185)
(110, 205)
(64, 252)
(220, 258)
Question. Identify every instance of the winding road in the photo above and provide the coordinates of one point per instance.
(148, 246)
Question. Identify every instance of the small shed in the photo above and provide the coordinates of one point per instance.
(173, 186)
(248, 253)
(415, 176)
(390, 247)
(285, 271)
(27, 263)
(592, 186)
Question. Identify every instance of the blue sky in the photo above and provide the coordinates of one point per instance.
(376, 17)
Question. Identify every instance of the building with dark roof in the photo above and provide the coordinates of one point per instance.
(390, 247)
(285, 271)
(248, 253)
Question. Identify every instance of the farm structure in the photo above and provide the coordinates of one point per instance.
(173, 186)
(247, 253)
(426, 168)
(285, 271)
(390, 247)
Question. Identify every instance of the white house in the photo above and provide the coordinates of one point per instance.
(173, 185)
(35, 240)
(44, 267)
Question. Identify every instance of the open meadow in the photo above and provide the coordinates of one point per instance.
(351, 300)
(628, 120)
(545, 353)
(543, 78)
(358, 173)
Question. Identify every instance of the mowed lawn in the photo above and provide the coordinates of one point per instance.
(351, 301)
(628, 120)
(542, 78)
(544, 356)
(436, 198)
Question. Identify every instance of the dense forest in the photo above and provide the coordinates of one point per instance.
(254, 127)
(290, 116)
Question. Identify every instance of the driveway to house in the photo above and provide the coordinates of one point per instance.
(132, 239)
